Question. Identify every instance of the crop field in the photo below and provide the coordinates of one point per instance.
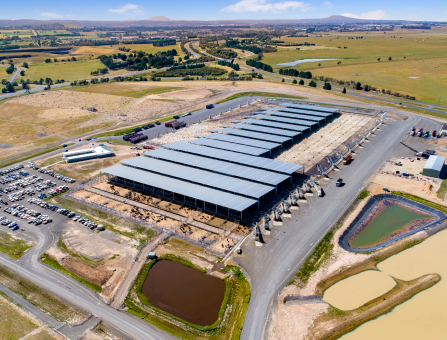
(130, 90)
(418, 66)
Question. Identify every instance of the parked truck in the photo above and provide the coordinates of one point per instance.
(413, 132)
(175, 124)
(419, 133)
(128, 136)
(137, 138)
(347, 160)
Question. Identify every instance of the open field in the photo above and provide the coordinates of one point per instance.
(117, 89)
(13, 324)
(12, 245)
(414, 54)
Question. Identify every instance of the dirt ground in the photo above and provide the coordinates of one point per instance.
(188, 95)
(322, 142)
(296, 321)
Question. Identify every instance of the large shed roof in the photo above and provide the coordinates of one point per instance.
(274, 125)
(243, 141)
(304, 112)
(194, 175)
(294, 115)
(221, 198)
(234, 157)
(284, 120)
(264, 129)
(310, 107)
(254, 135)
(435, 162)
(249, 150)
(226, 168)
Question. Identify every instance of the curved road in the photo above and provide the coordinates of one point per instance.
(190, 50)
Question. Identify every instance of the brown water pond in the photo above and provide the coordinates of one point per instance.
(184, 292)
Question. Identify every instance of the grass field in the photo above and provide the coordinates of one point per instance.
(414, 54)
(14, 247)
(130, 90)
(68, 71)
(13, 325)
(260, 94)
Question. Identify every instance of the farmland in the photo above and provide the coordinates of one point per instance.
(418, 66)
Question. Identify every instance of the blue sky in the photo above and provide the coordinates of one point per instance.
(223, 9)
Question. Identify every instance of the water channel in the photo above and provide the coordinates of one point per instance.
(393, 218)
(184, 292)
(302, 61)
(424, 315)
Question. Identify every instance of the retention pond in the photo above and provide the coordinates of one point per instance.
(184, 292)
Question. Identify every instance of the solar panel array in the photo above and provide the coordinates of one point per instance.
(249, 150)
(194, 175)
(218, 166)
(234, 157)
(244, 141)
(218, 197)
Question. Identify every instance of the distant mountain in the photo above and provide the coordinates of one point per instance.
(159, 18)
(164, 21)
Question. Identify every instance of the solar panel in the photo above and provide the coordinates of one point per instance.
(234, 157)
(194, 175)
(254, 135)
(249, 150)
(293, 115)
(285, 120)
(226, 168)
(304, 112)
(243, 141)
(274, 124)
(310, 107)
(264, 129)
(221, 198)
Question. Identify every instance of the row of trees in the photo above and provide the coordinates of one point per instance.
(234, 66)
(259, 65)
(295, 73)
(139, 60)
(48, 60)
(202, 72)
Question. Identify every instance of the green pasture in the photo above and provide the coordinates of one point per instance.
(124, 89)
(419, 55)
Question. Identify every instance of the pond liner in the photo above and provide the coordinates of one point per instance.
(371, 204)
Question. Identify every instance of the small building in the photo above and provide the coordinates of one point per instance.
(152, 256)
(85, 154)
(434, 166)
(443, 130)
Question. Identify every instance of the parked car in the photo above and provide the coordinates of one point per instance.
(209, 106)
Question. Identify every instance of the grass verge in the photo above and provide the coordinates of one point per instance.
(48, 303)
(11, 246)
(47, 259)
(442, 189)
(421, 200)
(259, 94)
(231, 314)
(363, 194)
(30, 155)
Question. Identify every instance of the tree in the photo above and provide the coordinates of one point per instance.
(312, 83)
(344, 90)
(22, 73)
(48, 60)
(338, 63)
(301, 82)
(358, 85)
(327, 86)
(294, 81)
(367, 88)
(25, 65)
(389, 58)
(319, 65)
(378, 59)
(10, 88)
(73, 59)
(55, 60)
(283, 80)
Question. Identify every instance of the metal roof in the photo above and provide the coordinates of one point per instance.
(304, 112)
(254, 135)
(293, 115)
(194, 175)
(264, 129)
(434, 162)
(244, 141)
(285, 120)
(249, 150)
(226, 168)
(310, 107)
(234, 157)
(274, 124)
(196, 191)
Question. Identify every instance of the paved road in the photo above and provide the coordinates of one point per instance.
(190, 50)
(272, 265)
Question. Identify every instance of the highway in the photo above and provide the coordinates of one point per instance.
(190, 50)
(271, 266)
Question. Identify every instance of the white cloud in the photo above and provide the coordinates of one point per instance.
(327, 4)
(51, 15)
(128, 9)
(265, 6)
(374, 15)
